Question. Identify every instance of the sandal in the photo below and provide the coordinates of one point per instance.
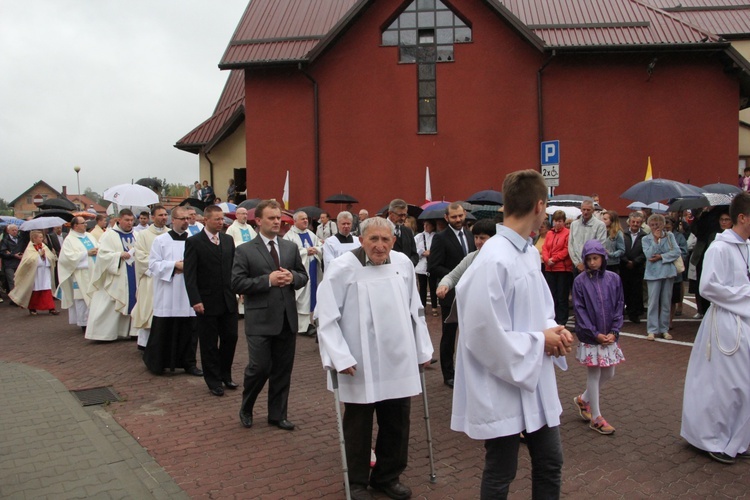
(54, 312)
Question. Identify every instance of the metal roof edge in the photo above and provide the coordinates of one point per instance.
(262, 64)
(230, 125)
(740, 64)
(652, 47)
(676, 19)
(515, 23)
(337, 31)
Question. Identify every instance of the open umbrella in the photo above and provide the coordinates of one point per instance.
(432, 214)
(55, 212)
(341, 198)
(131, 194)
(42, 223)
(706, 200)
(227, 208)
(313, 213)
(721, 188)
(660, 189)
(85, 214)
(570, 200)
(8, 219)
(487, 197)
(570, 212)
(485, 211)
(193, 202)
(436, 205)
(149, 182)
(251, 203)
(411, 211)
(60, 203)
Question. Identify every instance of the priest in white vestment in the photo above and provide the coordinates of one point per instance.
(77, 259)
(241, 232)
(113, 283)
(171, 343)
(372, 331)
(716, 402)
(101, 226)
(505, 376)
(340, 242)
(144, 305)
(311, 252)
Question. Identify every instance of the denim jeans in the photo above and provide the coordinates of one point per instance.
(501, 463)
(659, 302)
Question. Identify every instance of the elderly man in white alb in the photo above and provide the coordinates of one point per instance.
(340, 242)
(372, 331)
(311, 252)
(77, 258)
(143, 311)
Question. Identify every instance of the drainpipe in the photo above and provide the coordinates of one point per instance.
(316, 133)
(540, 102)
(210, 171)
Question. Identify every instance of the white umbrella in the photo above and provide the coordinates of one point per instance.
(131, 194)
(570, 212)
(42, 223)
(637, 205)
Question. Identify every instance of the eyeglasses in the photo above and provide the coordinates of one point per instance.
(180, 218)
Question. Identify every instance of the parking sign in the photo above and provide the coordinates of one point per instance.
(550, 156)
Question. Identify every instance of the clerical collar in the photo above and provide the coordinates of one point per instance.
(516, 239)
(344, 239)
(178, 236)
(120, 230)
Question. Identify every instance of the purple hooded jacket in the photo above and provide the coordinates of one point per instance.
(597, 298)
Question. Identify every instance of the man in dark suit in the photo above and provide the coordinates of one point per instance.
(632, 266)
(209, 256)
(268, 270)
(397, 212)
(448, 249)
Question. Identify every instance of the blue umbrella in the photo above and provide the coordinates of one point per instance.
(8, 219)
(721, 188)
(660, 189)
(487, 197)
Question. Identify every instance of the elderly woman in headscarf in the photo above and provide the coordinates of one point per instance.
(33, 288)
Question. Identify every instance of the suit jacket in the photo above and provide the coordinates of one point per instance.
(446, 251)
(634, 253)
(53, 242)
(266, 305)
(406, 245)
(208, 273)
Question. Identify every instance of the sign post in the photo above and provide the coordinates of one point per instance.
(550, 159)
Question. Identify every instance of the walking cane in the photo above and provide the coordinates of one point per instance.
(433, 477)
(340, 425)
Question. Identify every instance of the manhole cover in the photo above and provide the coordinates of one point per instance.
(96, 396)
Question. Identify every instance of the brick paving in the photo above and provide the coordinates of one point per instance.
(198, 441)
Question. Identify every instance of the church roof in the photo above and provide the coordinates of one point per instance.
(728, 18)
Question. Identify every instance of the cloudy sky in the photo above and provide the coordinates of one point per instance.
(109, 85)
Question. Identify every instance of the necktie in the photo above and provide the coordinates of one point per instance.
(274, 254)
(398, 231)
(463, 243)
(215, 239)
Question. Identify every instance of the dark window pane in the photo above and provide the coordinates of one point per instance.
(427, 124)
(426, 89)
(426, 37)
(426, 54)
(445, 35)
(408, 55)
(427, 107)
(445, 53)
(426, 72)
(408, 20)
(408, 37)
(445, 18)
(425, 4)
(426, 20)
(463, 35)
(390, 38)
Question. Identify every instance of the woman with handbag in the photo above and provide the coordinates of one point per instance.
(661, 251)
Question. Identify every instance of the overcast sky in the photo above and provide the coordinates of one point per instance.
(109, 85)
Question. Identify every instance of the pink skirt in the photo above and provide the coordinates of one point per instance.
(599, 355)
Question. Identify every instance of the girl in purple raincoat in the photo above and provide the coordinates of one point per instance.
(598, 305)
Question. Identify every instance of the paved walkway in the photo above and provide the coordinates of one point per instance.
(171, 427)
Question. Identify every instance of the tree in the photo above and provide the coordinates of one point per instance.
(96, 197)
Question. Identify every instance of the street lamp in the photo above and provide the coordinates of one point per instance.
(78, 180)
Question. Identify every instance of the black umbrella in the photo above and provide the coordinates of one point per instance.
(721, 188)
(55, 212)
(58, 203)
(341, 198)
(313, 213)
(411, 211)
(660, 189)
(485, 211)
(194, 202)
(487, 197)
(251, 203)
(149, 183)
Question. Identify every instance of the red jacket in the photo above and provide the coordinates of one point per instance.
(556, 248)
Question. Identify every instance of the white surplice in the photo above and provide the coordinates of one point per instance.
(372, 317)
(74, 272)
(333, 248)
(504, 382)
(143, 311)
(170, 296)
(303, 295)
(716, 402)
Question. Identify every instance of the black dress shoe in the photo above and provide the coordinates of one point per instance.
(394, 490)
(195, 371)
(217, 391)
(282, 424)
(359, 492)
(246, 420)
(449, 383)
(231, 385)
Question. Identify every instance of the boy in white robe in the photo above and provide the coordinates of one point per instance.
(77, 259)
(505, 380)
(372, 331)
(716, 403)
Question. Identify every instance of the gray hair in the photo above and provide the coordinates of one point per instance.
(657, 218)
(397, 203)
(299, 213)
(588, 201)
(636, 214)
(376, 222)
(344, 215)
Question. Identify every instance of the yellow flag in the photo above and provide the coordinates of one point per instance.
(649, 174)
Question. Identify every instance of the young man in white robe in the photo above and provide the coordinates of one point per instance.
(241, 232)
(340, 242)
(172, 341)
(113, 283)
(311, 253)
(505, 377)
(100, 227)
(77, 259)
(372, 331)
(716, 403)
(144, 305)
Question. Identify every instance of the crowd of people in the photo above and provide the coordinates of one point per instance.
(506, 284)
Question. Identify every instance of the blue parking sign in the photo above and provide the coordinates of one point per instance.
(550, 153)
